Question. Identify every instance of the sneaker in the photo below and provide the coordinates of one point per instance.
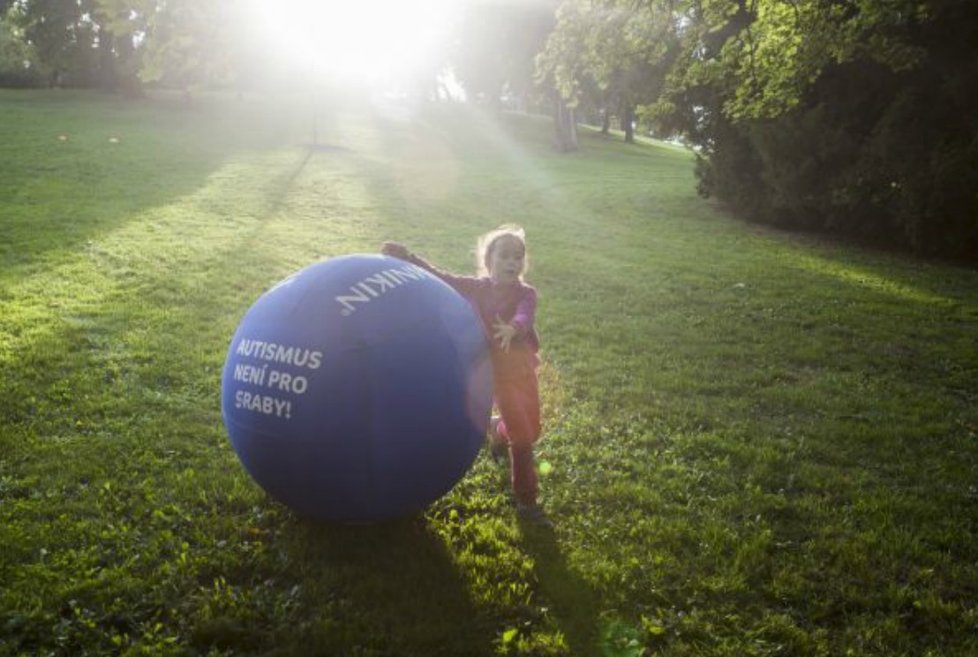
(498, 448)
(533, 514)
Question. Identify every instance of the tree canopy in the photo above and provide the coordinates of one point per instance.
(117, 45)
(855, 116)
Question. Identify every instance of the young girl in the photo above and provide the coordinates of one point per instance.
(506, 305)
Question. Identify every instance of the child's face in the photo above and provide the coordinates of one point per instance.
(506, 260)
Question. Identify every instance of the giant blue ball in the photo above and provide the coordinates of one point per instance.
(358, 389)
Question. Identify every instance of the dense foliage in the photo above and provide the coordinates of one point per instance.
(115, 45)
(862, 120)
(18, 63)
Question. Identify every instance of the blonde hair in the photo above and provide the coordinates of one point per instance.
(487, 242)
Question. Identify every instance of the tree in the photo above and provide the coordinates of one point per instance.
(187, 45)
(496, 46)
(62, 35)
(19, 66)
(86, 42)
(609, 54)
(121, 26)
(562, 66)
(855, 116)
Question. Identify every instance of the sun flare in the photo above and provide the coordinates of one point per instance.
(366, 41)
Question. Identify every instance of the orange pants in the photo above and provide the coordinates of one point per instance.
(518, 400)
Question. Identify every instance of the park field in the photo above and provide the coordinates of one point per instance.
(755, 443)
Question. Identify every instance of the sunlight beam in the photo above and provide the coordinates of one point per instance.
(373, 42)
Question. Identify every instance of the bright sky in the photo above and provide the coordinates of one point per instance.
(371, 41)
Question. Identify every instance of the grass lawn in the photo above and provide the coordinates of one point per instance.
(755, 444)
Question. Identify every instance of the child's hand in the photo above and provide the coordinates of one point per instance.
(503, 332)
(395, 250)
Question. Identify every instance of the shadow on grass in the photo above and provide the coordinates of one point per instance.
(87, 165)
(571, 600)
(390, 588)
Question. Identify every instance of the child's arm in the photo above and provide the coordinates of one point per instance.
(522, 322)
(395, 250)
(526, 312)
(464, 285)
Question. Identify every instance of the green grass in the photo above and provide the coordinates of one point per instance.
(758, 444)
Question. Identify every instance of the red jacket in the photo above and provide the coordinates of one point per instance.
(514, 303)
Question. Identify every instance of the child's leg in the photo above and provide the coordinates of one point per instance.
(523, 473)
(498, 441)
(520, 426)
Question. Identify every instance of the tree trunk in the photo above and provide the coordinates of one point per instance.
(107, 80)
(117, 64)
(605, 121)
(628, 123)
(127, 68)
(565, 127)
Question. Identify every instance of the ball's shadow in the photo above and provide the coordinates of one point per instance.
(388, 587)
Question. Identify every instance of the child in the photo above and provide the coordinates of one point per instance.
(506, 305)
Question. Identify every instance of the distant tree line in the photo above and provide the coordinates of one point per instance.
(115, 45)
(855, 117)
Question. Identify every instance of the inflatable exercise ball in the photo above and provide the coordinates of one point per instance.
(359, 389)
